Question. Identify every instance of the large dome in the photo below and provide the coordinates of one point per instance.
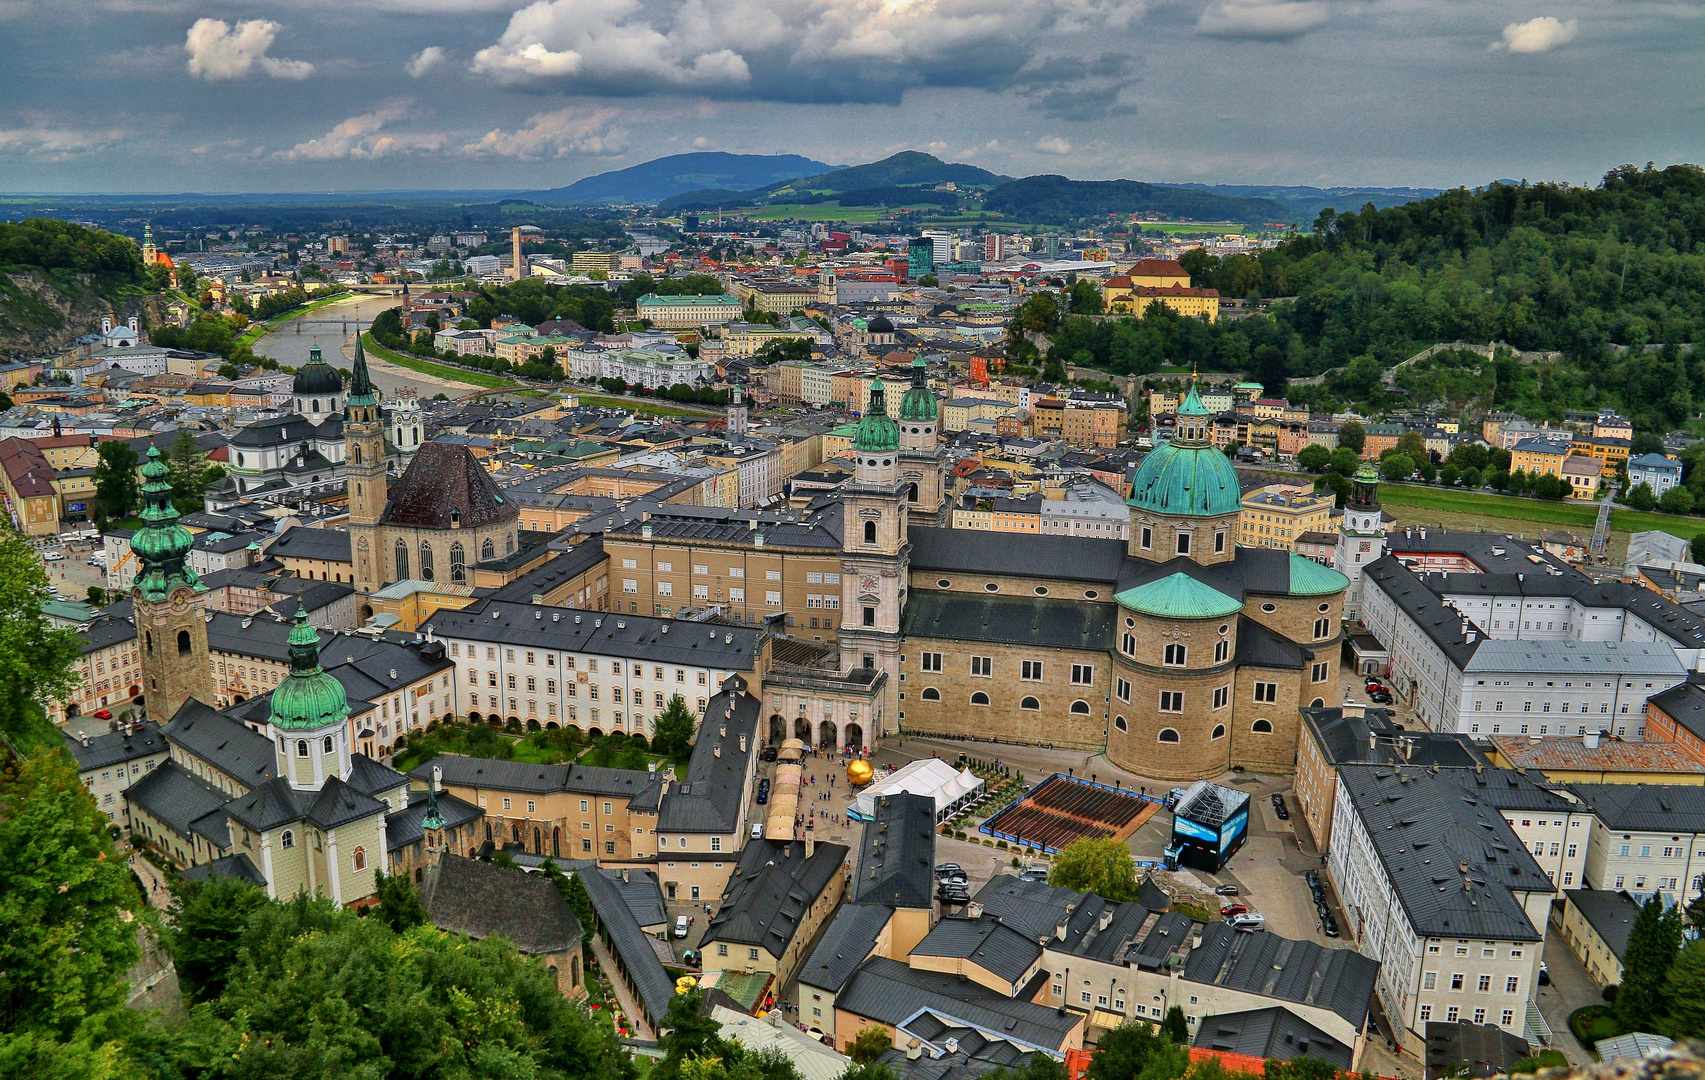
(308, 698)
(317, 376)
(1196, 481)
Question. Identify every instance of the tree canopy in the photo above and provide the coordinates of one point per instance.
(1103, 867)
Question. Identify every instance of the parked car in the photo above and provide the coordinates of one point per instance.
(1544, 974)
(1225, 890)
(1248, 920)
(1033, 873)
(1319, 894)
(1313, 879)
(681, 924)
(953, 896)
(53, 556)
(1233, 909)
(103, 714)
(768, 754)
(1329, 927)
(757, 830)
(1279, 807)
(943, 869)
(1380, 697)
(1373, 684)
(763, 791)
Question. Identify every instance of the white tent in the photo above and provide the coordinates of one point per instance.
(927, 776)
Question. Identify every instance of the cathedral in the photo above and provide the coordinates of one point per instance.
(1176, 652)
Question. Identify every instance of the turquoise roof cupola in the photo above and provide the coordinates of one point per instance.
(1188, 476)
(877, 431)
(162, 544)
(918, 402)
(309, 698)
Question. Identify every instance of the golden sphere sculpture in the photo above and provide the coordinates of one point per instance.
(859, 772)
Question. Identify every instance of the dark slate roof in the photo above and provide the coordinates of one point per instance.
(967, 551)
(713, 794)
(302, 542)
(632, 784)
(237, 750)
(371, 778)
(1272, 1033)
(1264, 963)
(770, 891)
(642, 637)
(849, 939)
(276, 803)
(484, 900)
(1442, 624)
(1422, 827)
(641, 892)
(104, 751)
(1345, 739)
(976, 1055)
(174, 796)
(896, 859)
(106, 630)
(1685, 704)
(1258, 646)
(445, 480)
(1484, 1049)
(1021, 620)
(402, 827)
(1165, 938)
(231, 866)
(889, 992)
(1610, 913)
(631, 945)
(542, 579)
(1669, 808)
(985, 941)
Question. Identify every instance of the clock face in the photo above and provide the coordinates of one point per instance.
(867, 583)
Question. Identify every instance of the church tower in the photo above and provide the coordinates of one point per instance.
(1361, 537)
(923, 468)
(150, 253)
(736, 413)
(364, 468)
(169, 600)
(308, 723)
(875, 552)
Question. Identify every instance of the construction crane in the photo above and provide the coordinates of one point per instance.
(1601, 532)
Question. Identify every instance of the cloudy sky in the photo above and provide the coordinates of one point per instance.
(264, 95)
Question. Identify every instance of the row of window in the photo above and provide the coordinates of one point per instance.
(1170, 735)
(635, 669)
(1545, 707)
(1181, 540)
(1483, 985)
(458, 558)
(930, 693)
(1454, 1013)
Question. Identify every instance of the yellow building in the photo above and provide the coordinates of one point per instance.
(1274, 516)
(1584, 474)
(1610, 449)
(745, 339)
(1538, 458)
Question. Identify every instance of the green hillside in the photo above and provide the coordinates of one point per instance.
(58, 278)
(1057, 200)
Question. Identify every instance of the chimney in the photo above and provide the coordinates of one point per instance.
(1060, 929)
(1589, 740)
(85, 738)
(1106, 918)
(914, 1050)
(742, 744)
(951, 1044)
(1423, 532)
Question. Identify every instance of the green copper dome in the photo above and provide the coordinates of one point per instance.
(877, 431)
(1192, 405)
(1366, 473)
(1309, 578)
(1179, 596)
(1186, 478)
(308, 698)
(919, 402)
(161, 544)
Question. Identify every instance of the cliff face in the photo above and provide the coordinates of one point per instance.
(42, 310)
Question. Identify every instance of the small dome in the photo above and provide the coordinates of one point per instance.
(879, 325)
(1309, 578)
(1179, 596)
(1189, 480)
(877, 430)
(308, 698)
(316, 376)
(918, 402)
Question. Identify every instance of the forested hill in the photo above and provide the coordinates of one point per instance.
(58, 278)
(1545, 267)
(1057, 200)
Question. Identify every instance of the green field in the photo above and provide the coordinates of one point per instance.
(437, 371)
(828, 211)
(1192, 228)
(657, 408)
(1574, 515)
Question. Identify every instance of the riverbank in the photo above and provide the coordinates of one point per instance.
(259, 329)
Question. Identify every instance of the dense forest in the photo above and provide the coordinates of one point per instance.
(1057, 200)
(1588, 273)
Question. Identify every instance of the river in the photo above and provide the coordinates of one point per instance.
(333, 328)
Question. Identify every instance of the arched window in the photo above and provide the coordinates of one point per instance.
(1219, 731)
(287, 839)
(301, 747)
(912, 492)
(402, 561)
(1080, 708)
(1119, 722)
(359, 858)
(1175, 655)
(979, 698)
(1168, 735)
(487, 550)
(354, 453)
(425, 561)
(326, 746)
(184, 647)
(458, 563)
(931, 694)
(1030, 703)
(1262, 727)
(870, 532)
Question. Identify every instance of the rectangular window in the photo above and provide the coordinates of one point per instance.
(1509, 1015)
(1174, 655)
(1511, 983)
(1321, 671)
(1221, 696)
(1083, 674)
(1426, 1013)
(1430, 980)
(1456, 981)
(1148, 537)
(983, 666)
(1485, 984)
(1183, 543)
(1122, 689)
(1171, 701)
(665, 588)
(1031, 670)
(1267, 691)
(737, 596)
(931, 661)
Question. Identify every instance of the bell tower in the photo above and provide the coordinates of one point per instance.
(875, 553)
(923, 468)
(364, 468)
(169, 602)
(736, 412)
(1361, 537)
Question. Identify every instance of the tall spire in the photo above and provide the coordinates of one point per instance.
(161, 544)
(433, 820)
(361, 391)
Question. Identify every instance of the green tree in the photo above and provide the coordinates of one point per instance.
(1548, 486)
(399, 902)
(1174, 1027)
(1640, 497)
(1301, 1068)
(36, 658)
(1677, 500)
(1344, 461)
(189, 472)
(209, 918)
(688, 1033)
(97, 596)
(1353, 435)
(1684, 990)
(1340, 486)
(1652, 947)
(672, 732)
(118, 486)
(929, 281)
(1411, 443)
(869, 1044)
(1449, 474)
(1520, 482)
(1314, 457)
(1103, 867)
(1696, 548)
(1396, 466)
(1124, 1052)
(1645, 442)
(1084, 297)
(573, 890)
(1472, 478)
(1040, 313)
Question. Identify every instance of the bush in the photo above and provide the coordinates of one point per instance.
(1592, 1023)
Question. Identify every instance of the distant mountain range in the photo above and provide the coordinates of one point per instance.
(657, 180)
(1311, 200)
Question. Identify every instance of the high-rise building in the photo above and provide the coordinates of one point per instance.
(994, 247)
(920, 258)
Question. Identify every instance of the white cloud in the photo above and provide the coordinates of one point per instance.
(1539, 35)
(47, 143)
(425, 60)
(216, 51)
(556, 134)
(1262, 20)
(364, 138)
(701, 143)
(1053, 144)
(791, 50)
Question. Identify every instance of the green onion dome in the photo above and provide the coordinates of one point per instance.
(918, 402)
(877, 430)
(161, 544)
(308, 698)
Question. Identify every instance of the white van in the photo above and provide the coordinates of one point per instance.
(681, 925)
(1249, 920)
(53, 556)
(757, 830)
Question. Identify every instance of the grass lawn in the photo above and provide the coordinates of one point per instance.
(1575, 515)
(827, 211)
(438, 371)
(1592, 1023)
(1191, 228)
(656, 407)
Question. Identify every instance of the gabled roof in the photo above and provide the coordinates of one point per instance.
(235, 749)
(484, 900)
(631, 945)
(174, 796)
(891, 993)
(772, 887)
(710, 798)
(984, 941)
(116, 747)
(896, 861)
(1026, 620)
(849, 939)
(1273, 1033)
(1304, 972)
(1610, 914)
(237, 866)
(968, 551)
(1670, 808)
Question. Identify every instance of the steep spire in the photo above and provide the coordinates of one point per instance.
(361, 391)
(433, 820)
(161, 544)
